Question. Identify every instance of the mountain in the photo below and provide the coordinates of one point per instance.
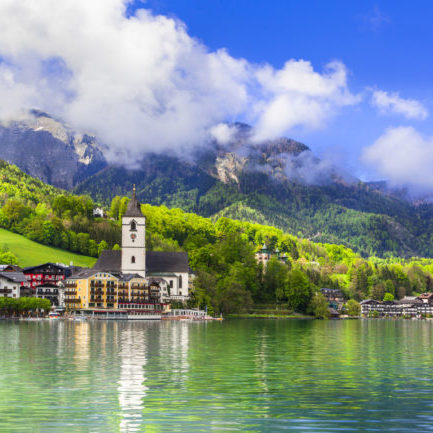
(278, 182)
(51, 151)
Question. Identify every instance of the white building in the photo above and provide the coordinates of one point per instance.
(10, 283)
(98, 212)
(171, 267)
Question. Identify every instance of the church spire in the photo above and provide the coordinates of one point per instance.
(134, 208)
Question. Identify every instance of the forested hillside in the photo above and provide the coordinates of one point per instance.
(221, 250)
(51, 216)
(278, 182)
(260, 190)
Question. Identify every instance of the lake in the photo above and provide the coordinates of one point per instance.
(230, 376)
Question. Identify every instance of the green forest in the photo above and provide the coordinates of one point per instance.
(221, 250)
(355, 214)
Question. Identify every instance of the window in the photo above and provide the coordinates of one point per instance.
(133, 259)
(133, 226)
(171, 284)
(180, 281)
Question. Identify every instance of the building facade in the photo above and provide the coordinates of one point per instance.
(52, 292)
(10, 283)
(47, 273)
(265, 254)
(133, 253)
(409, 306)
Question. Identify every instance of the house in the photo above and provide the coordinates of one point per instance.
(102, 290)
(426, 298)
(335, 297)
(51, 291)
(10, 284)
(47, 273)
(409, 306)
(98, 212)
(265, 254)
(10, 268)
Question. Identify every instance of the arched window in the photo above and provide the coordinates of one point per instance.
(180, 281)
(133, 225)
(133, 259)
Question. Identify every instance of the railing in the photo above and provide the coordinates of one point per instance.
(5, 290)
(72, 301)
(70, 293)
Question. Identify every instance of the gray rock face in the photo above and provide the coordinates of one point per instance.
(45, 148)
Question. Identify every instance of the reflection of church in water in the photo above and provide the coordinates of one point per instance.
(132, 275)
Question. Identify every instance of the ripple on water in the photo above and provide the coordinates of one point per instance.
(249, 376)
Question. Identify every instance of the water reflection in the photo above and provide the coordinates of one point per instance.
(132, 388)
(249, 376)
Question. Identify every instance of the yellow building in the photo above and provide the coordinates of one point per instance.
(92, 289)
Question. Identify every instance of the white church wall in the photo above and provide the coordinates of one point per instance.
(134, 245)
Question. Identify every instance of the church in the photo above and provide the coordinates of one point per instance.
(131, 278)
(172, 267)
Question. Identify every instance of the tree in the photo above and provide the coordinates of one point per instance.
(353, 308)
(15, 211)
(114, 208)
(274, 280)
(388, 297)
(377, 292)
(83, 243)
(7, 258)
(319, 306)
(102, 246)
(297, 291)
(93, 248)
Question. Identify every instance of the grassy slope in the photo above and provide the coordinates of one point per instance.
(31, 253)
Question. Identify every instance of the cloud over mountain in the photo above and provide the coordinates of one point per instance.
(403, 156)
(142, 82)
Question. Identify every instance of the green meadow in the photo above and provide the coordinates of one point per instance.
(31, 253)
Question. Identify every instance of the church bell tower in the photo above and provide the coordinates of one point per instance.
(134, 239)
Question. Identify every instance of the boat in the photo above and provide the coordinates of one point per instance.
(53, 315)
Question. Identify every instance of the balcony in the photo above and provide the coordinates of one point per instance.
(72, 301)
(96, 292)
(5, 290)
(70, 293)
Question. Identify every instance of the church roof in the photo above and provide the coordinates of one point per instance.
(160, 261)
(109, 260)
(134, 207)
(156, 261)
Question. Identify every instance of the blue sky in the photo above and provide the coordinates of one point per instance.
(385, 45)
(351, 79)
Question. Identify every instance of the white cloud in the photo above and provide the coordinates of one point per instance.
(392, 103)
(297, 95)
(143, 83)
(223, 133)
(403, 156)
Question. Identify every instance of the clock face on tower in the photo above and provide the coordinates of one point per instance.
(133, 236)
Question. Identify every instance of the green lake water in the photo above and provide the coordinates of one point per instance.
(230, 376)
